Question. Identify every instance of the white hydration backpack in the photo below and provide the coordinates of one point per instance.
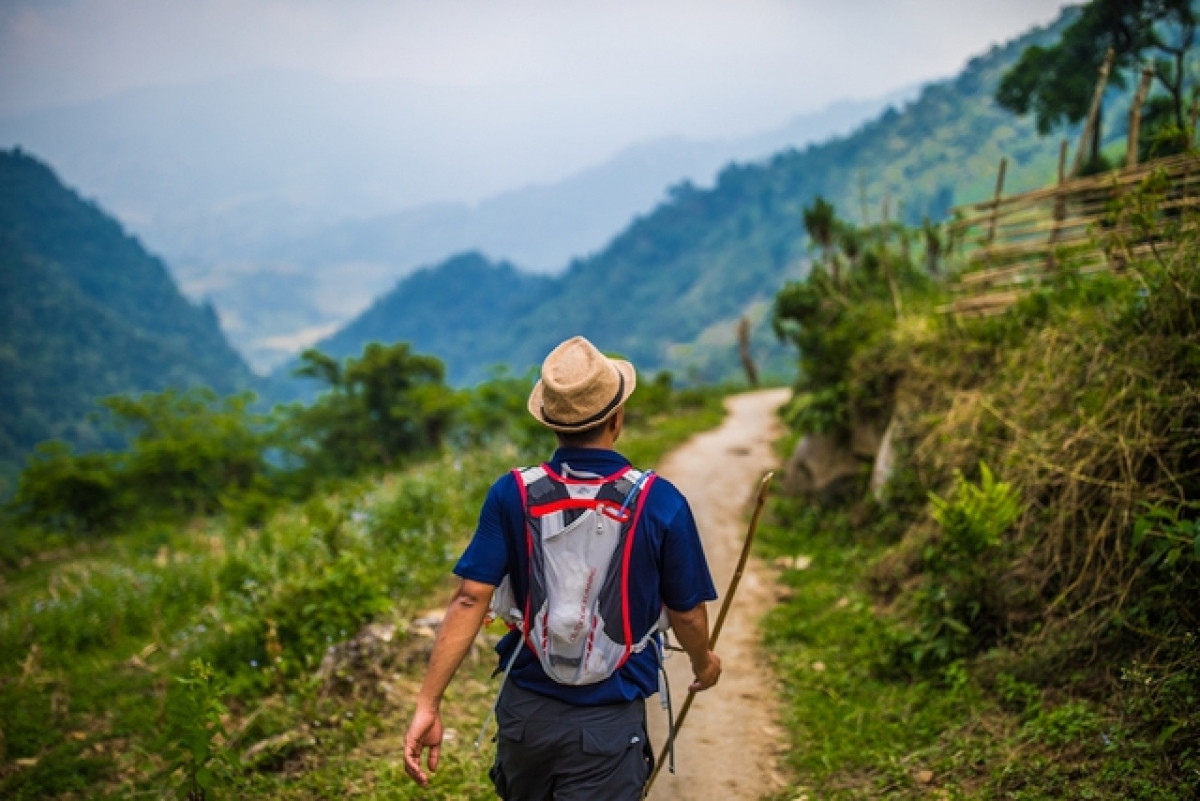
(579, 540)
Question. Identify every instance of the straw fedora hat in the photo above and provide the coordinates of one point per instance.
(580, 387)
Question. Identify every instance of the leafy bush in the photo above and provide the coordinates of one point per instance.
(959, 609)
(839, 320)
(71, 492)
(190, 453)
(378, 410)
(495, 411)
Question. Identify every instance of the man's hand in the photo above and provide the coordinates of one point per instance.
(463, 618)
(691, 629)
(707, 671)
(425, 731)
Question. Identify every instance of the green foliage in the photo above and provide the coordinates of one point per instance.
(388, 405)
(195, 733)
(315, 578)
(86, 312)
(836, 322)
(1166, 536)
(89, 609)
(495, 411)
(72, 492)
(1056, 82)
(958, 610)
(821, 223)
(190, 453)
(831, 327)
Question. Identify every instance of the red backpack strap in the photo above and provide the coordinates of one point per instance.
(644, 483)
(519, 475)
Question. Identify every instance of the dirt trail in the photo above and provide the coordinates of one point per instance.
(726, 750)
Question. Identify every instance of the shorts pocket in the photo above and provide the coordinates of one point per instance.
(611, 740)
(511, 730)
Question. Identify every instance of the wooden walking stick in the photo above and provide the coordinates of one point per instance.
(759, 502)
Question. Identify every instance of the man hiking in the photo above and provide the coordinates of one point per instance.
(589, 555)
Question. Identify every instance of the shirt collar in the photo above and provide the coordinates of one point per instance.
(595, 460)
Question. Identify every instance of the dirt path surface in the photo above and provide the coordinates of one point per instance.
(726, 749)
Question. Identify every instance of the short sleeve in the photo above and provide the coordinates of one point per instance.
(685, 579)
(486, 558)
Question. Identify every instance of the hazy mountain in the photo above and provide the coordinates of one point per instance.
(266, 203)
(86, 312)
(669, 289)
(541, 227)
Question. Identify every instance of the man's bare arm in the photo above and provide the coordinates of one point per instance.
(691, 629)
(463, 619)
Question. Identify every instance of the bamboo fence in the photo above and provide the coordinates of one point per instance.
(1010, 244)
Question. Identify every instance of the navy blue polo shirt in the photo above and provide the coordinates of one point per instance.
(667, 567)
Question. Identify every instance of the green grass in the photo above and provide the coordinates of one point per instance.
(862, 725)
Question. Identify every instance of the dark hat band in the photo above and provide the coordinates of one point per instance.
(595, 418)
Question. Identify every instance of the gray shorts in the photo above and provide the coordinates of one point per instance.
(547, 750)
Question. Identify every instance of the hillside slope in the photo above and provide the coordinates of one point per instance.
(268, 224)
(429, 307)
(670, 288)
(86, 312)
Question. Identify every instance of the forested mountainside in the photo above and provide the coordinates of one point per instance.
(431, 304)
(86, 312)
(669, 290)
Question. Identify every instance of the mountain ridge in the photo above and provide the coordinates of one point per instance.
(669, 289)
(277, 271)
(86, 312)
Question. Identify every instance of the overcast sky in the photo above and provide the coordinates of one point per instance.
(693, 60)
(550, 86)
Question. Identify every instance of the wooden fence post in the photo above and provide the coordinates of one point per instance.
(1060, 205)
(991, 235)
(1135, 117)
(897, 306)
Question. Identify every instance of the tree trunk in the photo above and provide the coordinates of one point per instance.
(743, 334)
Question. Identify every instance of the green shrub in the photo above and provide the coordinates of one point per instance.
(190, 453)
(379, 410)
(959, 609)
(73, 493)
(195, 733)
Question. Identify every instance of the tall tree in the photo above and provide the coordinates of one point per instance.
(388, 403)
(1055, 83)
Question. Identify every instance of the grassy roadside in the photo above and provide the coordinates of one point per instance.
(977, 728)
(1014, 617)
